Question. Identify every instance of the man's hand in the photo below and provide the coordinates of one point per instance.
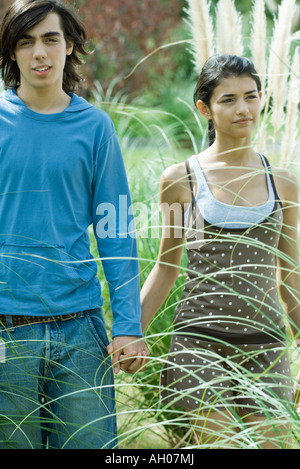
(128, 353)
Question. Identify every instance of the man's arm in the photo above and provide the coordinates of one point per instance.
(116, 241)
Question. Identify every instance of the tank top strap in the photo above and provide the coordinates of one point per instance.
(270, 179)
(188, 170)
(202, 186)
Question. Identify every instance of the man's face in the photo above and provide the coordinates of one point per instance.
(41, 54)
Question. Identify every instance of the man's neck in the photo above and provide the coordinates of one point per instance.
(44, 101)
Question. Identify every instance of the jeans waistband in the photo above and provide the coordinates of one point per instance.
(16, 320)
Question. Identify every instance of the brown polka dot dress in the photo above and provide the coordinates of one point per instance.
(228, 348)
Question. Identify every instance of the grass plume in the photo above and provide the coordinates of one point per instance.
(291, 128)
(202, 31)
(258, 40)
(279, 61)
(229, 36)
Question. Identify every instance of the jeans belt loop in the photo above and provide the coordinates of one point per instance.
(80, 314)
(9, 323)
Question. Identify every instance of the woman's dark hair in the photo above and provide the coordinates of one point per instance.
(22, 16)
(214, 71)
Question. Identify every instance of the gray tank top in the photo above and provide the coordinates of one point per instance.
(228, 216)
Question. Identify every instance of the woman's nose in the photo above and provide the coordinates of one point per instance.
(242, 106)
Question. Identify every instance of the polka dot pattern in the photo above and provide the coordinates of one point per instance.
(230, 292)
(231, 280)
(199, 374)
(230, 300)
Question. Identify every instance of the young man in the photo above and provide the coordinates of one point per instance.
(61, 169)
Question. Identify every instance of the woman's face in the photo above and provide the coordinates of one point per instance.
(234, 107)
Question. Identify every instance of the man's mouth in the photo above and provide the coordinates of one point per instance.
(42, 69)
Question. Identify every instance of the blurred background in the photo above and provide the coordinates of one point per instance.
(123, 32)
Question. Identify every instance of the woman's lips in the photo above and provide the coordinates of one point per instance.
(243, 121)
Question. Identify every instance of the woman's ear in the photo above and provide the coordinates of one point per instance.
(203, 109)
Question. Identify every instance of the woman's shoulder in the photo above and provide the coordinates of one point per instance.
(286, 183)
(174, 183)
(175, 172)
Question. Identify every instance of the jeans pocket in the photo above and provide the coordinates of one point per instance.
(98, 327)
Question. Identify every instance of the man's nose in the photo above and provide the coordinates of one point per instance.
(40, 51)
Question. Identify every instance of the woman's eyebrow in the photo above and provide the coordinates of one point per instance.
(230, 95)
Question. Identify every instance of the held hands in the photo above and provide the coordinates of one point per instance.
(129, 354)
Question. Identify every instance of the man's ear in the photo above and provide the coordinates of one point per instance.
(203, 109)
(69, 48)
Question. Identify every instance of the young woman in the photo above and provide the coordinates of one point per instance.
(240, 223)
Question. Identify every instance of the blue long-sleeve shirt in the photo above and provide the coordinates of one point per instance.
(59, 174)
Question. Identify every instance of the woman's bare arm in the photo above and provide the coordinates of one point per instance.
(173, 190)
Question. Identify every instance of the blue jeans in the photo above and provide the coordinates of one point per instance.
(56, 385)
